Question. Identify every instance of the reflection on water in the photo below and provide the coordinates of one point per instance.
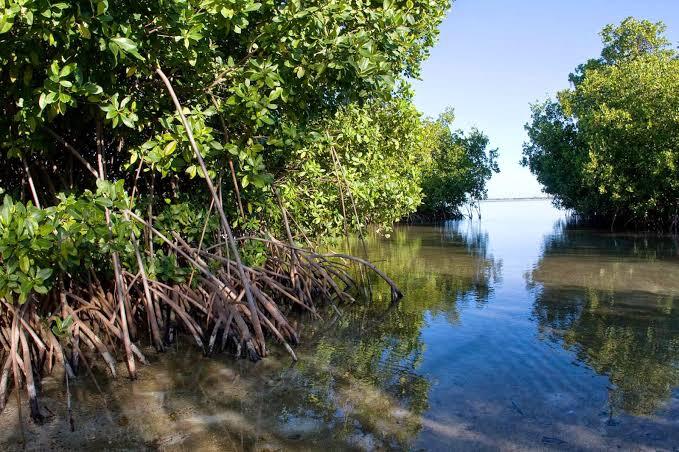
(515, 333)
(362, 375)
(613, 300)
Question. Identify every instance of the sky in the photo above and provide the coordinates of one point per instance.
(496, 57)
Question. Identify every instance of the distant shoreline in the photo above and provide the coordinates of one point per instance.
(529, 198)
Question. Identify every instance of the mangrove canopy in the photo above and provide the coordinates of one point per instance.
(608, 147)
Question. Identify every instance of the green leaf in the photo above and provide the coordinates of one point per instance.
(5, 25)
(66, 70)
(44, 273)
(128, 46)
(42, 101)
(169, 148)
(67, 322)
(125, 43)
(92, 89)
(191, 171)
(24, 264)
(102, 7)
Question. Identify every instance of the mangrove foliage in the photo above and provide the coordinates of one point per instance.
(168, 165)
(608, 147)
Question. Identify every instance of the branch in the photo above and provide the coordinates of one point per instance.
(73, 151)
(220, 208)
(30, 183)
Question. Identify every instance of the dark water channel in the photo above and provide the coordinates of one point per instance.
(515, 333)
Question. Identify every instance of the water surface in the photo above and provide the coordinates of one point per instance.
(515, 333)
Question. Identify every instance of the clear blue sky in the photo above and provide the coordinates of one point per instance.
(495, 57)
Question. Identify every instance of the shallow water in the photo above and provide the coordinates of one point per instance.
(514, 333)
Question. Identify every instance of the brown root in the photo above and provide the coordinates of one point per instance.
(212, 309)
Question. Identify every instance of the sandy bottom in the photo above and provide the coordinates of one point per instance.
(184, 402)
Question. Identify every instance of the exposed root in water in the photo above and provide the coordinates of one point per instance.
(224, 305)
(211, 309)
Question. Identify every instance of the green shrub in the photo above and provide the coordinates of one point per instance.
(608, 147)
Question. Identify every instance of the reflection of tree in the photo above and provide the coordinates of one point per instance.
(367, 363)
(434, 265)
(613, 300)
(571, 236)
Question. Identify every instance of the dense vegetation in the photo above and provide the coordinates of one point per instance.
(380, 162)
(153, 152)
(458, 169)
(608, 147)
